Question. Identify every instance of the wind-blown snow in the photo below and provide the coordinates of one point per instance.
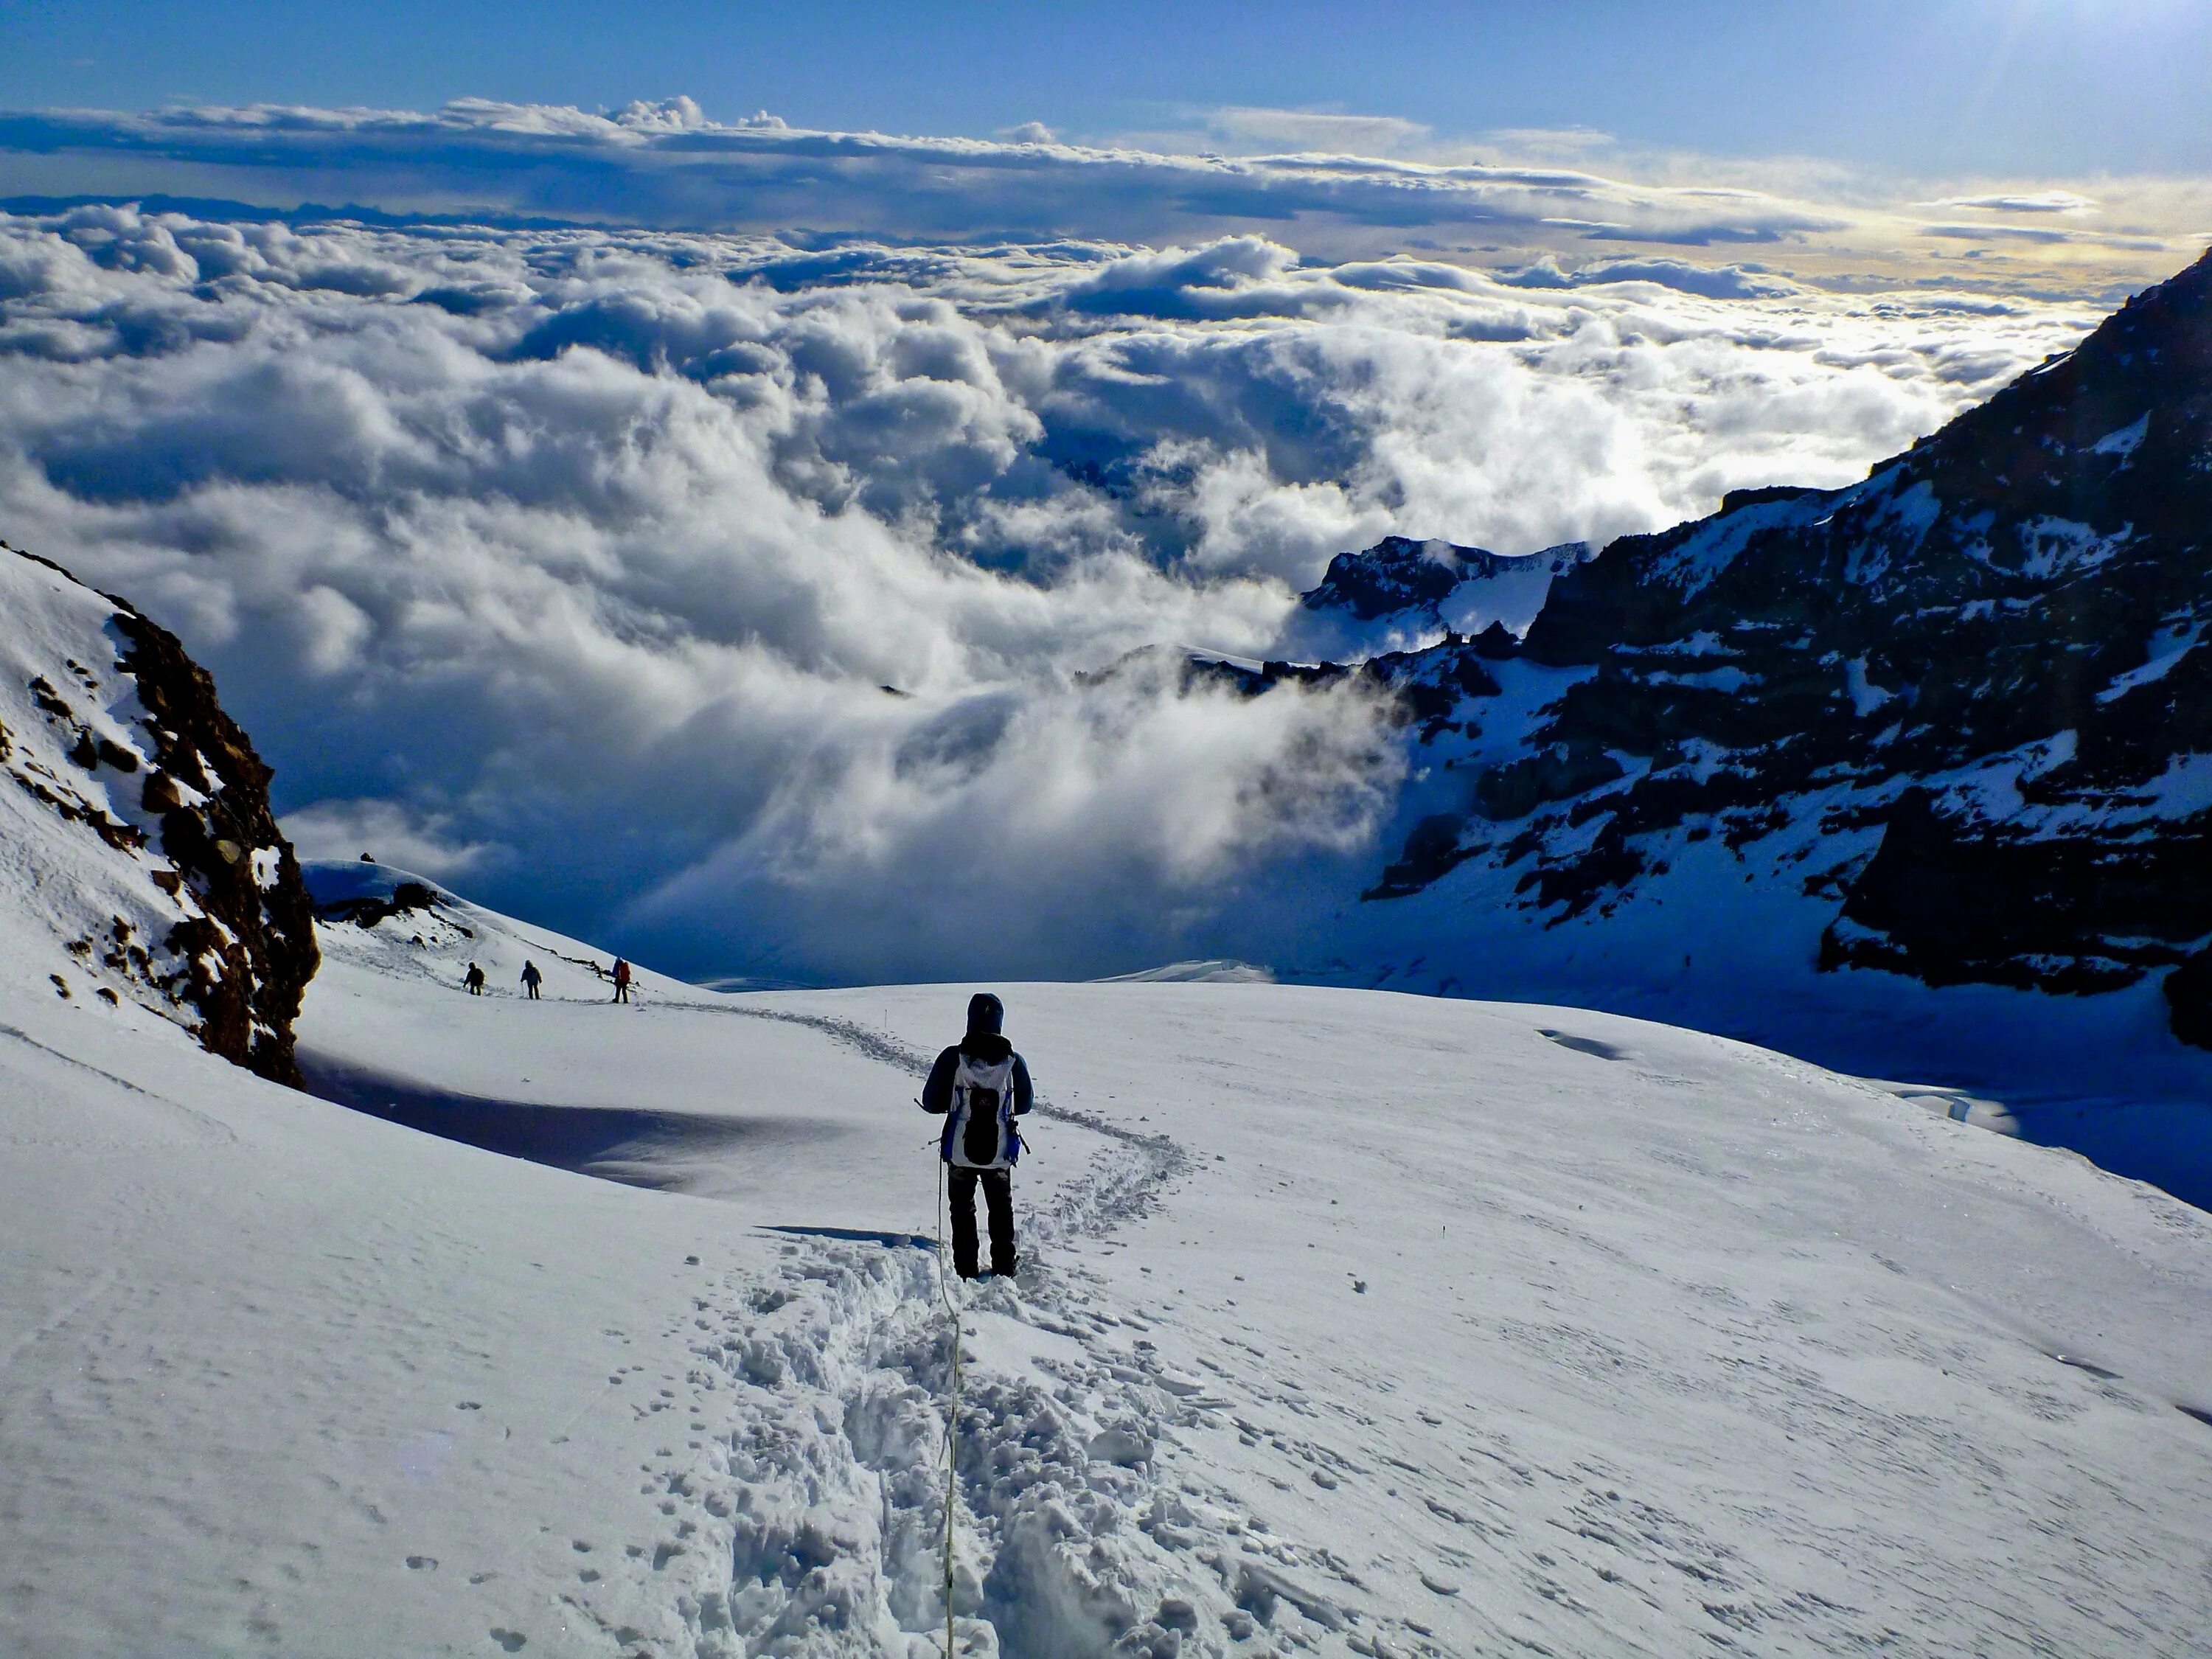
(580, 561)
(1355, 1323)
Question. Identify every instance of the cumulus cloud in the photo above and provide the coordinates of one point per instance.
(795, 606)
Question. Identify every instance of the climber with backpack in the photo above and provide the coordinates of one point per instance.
(980, 1085)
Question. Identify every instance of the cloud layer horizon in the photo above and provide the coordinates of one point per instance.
(1334, 186)
(814, 611)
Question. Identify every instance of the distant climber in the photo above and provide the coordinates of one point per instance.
(531, 979)
(980, 1085)
(622, 979)
(474, 979)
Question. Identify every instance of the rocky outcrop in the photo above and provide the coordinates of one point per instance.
(251, 952)
(1966, 705)
(124, 744)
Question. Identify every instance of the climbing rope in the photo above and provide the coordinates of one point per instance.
(952, 1416)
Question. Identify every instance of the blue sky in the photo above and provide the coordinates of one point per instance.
(1929, 87)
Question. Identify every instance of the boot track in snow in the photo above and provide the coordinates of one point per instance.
(1068, 1539)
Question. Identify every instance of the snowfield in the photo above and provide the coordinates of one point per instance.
(1352, 1322)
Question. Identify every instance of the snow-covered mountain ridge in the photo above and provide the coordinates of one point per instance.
(1950, 726)
(139, 862)
(1977, 672)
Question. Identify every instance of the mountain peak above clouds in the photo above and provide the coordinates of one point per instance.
(145, 871)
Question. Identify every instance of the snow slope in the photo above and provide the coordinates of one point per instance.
(1356, 1322)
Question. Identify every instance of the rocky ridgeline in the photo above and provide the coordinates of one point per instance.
(1980, 675)
(141, 830)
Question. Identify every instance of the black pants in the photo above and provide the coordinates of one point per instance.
(999, 1199)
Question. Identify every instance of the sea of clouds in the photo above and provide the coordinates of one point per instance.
(813, 607)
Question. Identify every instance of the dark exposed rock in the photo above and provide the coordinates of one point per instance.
(1735, 498)
(1494, 643)
(1251, 681)
(253, 952)
(1433, 850)
(2188, 990)
(1951, 899)
(1430, 687)
(1558, 773)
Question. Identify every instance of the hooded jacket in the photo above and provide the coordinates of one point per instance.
(986, 1043)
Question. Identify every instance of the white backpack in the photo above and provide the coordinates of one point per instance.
(981, 1134)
